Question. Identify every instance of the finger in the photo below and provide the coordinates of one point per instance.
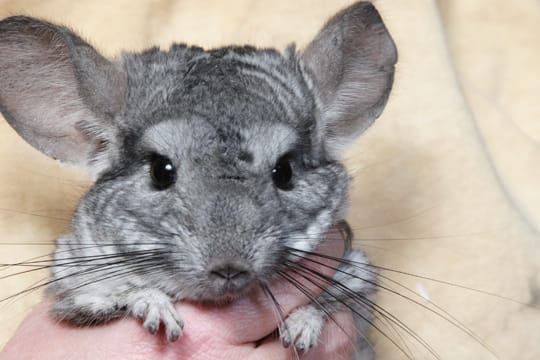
(40, 337)
(256, 311)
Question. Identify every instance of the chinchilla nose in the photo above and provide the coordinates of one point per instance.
(229, 276)
(229, 272)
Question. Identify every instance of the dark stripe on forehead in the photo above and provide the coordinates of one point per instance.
(284, 102)
(266, 75)
(259, 63)
(291, 97)
(278, 106)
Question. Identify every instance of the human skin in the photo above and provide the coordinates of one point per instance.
(230, 331)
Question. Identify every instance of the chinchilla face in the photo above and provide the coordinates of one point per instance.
(212, 163)
(219, 164)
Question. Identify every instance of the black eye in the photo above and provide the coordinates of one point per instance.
(282, 173)
(162, 172)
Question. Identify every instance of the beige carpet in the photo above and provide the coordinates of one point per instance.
(446, 181)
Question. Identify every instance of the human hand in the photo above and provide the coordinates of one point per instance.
(211, 332)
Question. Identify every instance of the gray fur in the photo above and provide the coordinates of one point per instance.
(223, 117)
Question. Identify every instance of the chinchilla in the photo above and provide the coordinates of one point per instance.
(216, 171)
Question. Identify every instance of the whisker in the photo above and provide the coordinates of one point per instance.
(57, 252)
(443, 314)
(324, 237)
(69, 262)
(279, 315)
(365, 302)
(423, 277)
(27, 213)
(85, 271)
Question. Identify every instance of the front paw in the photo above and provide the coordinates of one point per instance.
(302, 328)
(154, 307)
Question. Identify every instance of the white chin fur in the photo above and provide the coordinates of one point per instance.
(312, 237)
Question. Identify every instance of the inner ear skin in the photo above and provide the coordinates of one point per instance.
(75, 92)
(351, 64)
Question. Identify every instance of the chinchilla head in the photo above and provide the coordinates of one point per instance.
(221, 159)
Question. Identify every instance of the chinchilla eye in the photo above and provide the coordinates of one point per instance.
(282, 173)
(162, 172)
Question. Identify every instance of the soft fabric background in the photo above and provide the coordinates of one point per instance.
(446, 181)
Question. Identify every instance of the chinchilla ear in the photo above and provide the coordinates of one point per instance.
(57, 91)
(351, 63)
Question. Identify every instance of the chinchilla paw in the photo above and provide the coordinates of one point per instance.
(154, 307)
(302, 328)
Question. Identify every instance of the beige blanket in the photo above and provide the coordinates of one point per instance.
(446, 183)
